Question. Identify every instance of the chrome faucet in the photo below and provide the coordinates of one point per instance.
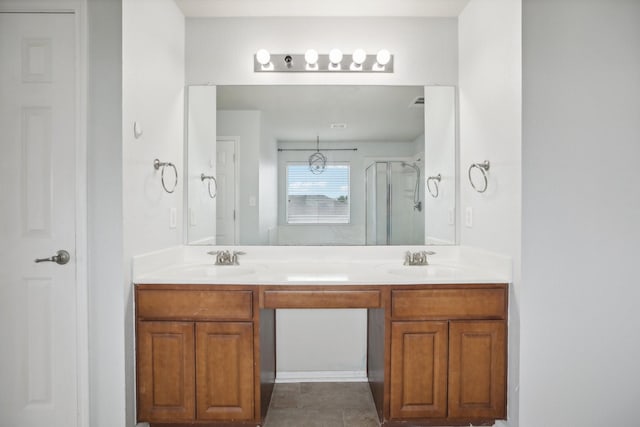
(417, 258)
(226, 258)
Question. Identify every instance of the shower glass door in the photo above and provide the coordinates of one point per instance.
(391, 215)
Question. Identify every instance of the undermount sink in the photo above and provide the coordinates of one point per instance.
(209, 270)
(422, 271)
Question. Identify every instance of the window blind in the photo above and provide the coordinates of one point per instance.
(318, 198)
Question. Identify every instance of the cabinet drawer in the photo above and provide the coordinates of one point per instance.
(194, 305)
(321, 299)
(449, 304)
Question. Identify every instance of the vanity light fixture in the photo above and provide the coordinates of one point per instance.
(263, 58)
(334, 61)
(311, 58)
(358, 57)
(382, 59)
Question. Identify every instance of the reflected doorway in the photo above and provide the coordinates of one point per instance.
(227, 177)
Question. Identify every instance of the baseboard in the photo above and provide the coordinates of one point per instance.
(321, 376)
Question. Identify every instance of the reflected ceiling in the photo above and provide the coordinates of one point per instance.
(300, 113)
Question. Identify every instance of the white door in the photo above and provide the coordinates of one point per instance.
(227, 214)
(38, 330)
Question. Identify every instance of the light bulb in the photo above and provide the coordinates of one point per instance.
(383, 57)
(335, 56)
(359, 56)
(263, 57)
(311, 56)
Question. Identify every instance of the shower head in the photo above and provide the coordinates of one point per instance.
(410, 165)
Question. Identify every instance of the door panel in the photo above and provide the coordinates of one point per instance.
(224, 354)
(226, 173)
(418, 369)
(477, 377)
(37, 184)
(166, 371)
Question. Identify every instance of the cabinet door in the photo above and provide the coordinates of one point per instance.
(166, 371)
(224, 370)
(477, 369)
(418, 369)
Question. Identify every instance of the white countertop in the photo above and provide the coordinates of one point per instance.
(320, 266)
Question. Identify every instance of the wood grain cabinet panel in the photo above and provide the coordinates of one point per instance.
(224, 369)
(152, 304)
(488, 303)
(419, 369)
(321, 299)
(165, 367)
(477, 369)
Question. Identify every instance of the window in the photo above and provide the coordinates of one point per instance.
(318, 199)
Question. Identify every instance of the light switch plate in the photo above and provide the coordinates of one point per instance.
(173, 218)
(468, 217)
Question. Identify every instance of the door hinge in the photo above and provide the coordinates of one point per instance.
(234, 214)
(234, 157)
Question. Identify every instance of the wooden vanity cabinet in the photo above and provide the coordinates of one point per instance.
(206, 354)
(195, 356)
(448, 354)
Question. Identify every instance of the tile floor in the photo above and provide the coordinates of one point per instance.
(322, 405)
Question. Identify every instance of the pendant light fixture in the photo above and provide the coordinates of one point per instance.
(317, 161)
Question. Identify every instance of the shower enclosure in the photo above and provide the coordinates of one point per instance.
(394, 194)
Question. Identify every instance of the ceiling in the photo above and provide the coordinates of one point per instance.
(396, 8)
(300, 113)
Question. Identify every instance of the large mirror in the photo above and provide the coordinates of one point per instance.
(321, 165)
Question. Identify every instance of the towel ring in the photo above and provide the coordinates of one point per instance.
(215, 184)
(484, 168)
(157, 164)
(436, 180)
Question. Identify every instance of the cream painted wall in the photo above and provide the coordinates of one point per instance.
(580, 343)
(221, 51)
(152, 95)
(490, 129)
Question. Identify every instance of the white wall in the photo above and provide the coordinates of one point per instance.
(268, 184)
(152, 88)
(221, 51)
(490, 129)
(441, 148)
(109, 406)
(247, 126)
(201, 159)
(581, 206)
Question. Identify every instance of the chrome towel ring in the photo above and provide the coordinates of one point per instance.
(484, 169)
(215, 184)
(436, 181)
(157, 164)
